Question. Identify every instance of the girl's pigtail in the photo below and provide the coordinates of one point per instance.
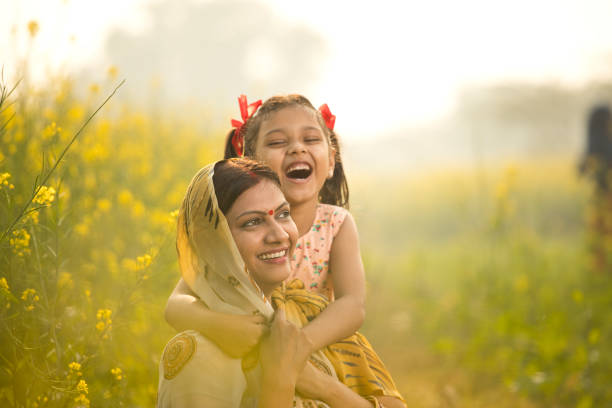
(230, 151)
(335, 190)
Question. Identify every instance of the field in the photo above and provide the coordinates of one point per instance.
(481, 287)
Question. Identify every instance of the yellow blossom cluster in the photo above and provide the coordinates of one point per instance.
(20, 242)
(82, 400)
(143, 261)
(173, 216)
(33, 28)
(31, 215)
(105, 322)
(112, 72)
(30, 297)
(4, 183)
(104, 205)
(41, 401)
(45, 196)
(65, 281)
(50, 131)
(75, 369)
(117, 373)
(4, 289)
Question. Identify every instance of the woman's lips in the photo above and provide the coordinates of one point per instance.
(277, 256)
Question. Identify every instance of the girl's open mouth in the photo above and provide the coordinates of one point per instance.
(299, 171)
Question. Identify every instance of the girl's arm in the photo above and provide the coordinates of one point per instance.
(314, 384)
(346, 313)
(236, 335)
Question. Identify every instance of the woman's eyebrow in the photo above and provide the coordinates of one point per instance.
(284, 203)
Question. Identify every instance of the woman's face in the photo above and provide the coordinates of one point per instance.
(264, 233)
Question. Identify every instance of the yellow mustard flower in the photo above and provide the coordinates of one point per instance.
(30, 297)
(138, 209)
(173, 216)
(50, 131)
(20, 242)
(4, 183)
(112, 72)
(76, 113)
(65, 281)
(104, 205)
(117, 373)
(105, 322)
(144, 261)
(4, 284)
(31, 216)
(33, 28)
(82, 387)
(45, 196)
(125, 197)
(82, 401)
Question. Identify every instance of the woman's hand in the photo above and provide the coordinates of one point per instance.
(237, 335)
(284, 352)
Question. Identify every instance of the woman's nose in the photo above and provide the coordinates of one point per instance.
(276, 232)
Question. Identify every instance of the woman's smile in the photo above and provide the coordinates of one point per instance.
(277, 256)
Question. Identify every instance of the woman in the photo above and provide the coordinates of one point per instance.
(234, 239)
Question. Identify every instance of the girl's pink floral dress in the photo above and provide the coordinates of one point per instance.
(310, 260)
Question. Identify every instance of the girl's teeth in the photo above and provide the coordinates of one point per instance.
(299, 167)
(272, 255)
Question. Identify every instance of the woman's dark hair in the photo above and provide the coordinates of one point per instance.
(232, 177)
(335, 190)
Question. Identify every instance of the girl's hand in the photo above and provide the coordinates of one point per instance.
(237, 335)
(312, 383)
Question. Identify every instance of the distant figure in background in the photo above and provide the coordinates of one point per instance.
(597, 164)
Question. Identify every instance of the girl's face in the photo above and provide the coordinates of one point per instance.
(264, 233)
(293, 144)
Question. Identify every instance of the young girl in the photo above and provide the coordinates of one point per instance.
(299, 144)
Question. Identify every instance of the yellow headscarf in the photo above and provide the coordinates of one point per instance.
(208, 257)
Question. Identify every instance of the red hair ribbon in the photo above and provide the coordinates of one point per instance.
(246, 111)
(330, 120)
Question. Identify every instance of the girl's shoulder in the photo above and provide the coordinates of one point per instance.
(330, 217)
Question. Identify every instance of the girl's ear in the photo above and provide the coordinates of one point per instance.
(332, 161)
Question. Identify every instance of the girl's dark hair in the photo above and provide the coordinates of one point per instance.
(335, 190)
(232, 177)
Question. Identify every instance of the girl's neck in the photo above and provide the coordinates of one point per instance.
(304, 215)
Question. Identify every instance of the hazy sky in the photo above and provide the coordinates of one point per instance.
(391, 63)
